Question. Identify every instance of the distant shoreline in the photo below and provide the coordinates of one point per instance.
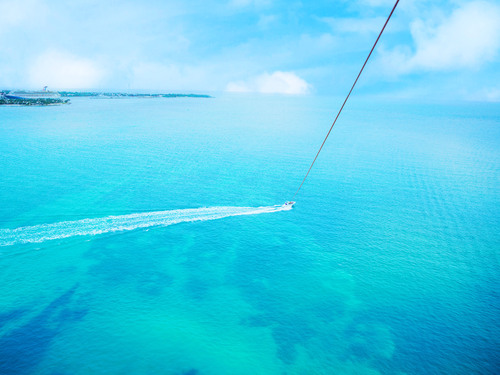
(84, 94)
(75, 94)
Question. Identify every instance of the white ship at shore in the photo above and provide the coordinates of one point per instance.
(41, 94)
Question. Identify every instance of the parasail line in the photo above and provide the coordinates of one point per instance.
(349, 94)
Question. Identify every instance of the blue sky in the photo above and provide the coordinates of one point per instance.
(431, 49)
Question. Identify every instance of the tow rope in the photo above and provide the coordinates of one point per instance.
(349, 94)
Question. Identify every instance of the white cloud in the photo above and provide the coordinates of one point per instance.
(62, 70)
(275, 83)
(468, 38)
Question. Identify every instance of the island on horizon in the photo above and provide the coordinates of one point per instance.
(46, 97)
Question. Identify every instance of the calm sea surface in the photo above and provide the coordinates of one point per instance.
(141, 236)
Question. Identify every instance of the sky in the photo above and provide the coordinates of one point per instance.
(441, 49)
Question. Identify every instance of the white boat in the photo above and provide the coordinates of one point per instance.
(289, 204)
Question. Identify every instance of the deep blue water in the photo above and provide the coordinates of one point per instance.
(139, 236)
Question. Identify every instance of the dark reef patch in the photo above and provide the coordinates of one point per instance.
(23, 348)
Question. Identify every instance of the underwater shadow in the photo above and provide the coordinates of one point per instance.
(23, 348)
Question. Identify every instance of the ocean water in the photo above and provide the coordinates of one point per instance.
(145, 236)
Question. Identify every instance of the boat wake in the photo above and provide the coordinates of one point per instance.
(91, 227)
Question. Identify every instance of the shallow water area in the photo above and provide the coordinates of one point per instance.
(111, 260)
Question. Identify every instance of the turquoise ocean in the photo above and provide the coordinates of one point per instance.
(145, 236)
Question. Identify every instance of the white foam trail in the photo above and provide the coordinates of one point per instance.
(86, 227)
